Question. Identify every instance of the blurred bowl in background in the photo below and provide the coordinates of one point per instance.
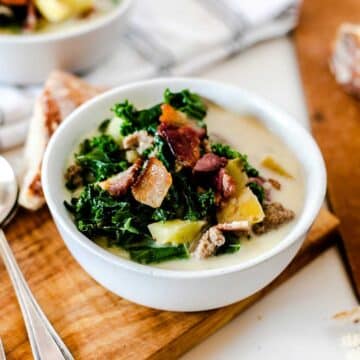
(29, 58)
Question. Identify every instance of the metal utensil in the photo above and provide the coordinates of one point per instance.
(45, 342)
(2, 352)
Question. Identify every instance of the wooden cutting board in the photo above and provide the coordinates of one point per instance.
(96, 324)
(335, 115)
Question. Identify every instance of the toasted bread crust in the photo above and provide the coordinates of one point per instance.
(62, 94)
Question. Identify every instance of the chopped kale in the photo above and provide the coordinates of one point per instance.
(123, 222)
(187, 102)
(104, 125)
(99, 158)
(229, 153)
(225, 151)
(195, 205)
(156, 254)
(133, 119)
(162, 151)
(232, 244)
(258, 191)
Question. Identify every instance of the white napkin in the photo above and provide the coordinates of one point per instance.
(166, 38)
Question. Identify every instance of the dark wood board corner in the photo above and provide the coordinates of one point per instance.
(334, 116)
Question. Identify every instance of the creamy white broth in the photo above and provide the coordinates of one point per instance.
(249, 136)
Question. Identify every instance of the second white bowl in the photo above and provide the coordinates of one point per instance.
(28, 59)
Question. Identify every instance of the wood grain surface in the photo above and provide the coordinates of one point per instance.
(335, 116)
(96, 324)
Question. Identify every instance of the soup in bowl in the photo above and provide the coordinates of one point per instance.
(57, 34)
(182, 194)
(41, 16)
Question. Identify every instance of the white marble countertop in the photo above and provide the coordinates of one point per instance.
(295, 320)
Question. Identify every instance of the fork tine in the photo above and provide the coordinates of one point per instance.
(2, 351)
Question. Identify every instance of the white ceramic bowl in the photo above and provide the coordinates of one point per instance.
(29, 58)
(169, 289)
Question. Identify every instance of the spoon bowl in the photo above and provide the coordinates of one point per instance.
(8, 191)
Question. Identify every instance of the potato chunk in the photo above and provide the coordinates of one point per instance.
(243, 206)
(175, 231)
(234, 169)
(60, 10)
(79, 6)
(53, 10)
(153, 184)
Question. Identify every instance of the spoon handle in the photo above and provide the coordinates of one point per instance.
(45, 342)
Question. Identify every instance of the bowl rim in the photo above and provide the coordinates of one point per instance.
(300, 228)
(85, 28)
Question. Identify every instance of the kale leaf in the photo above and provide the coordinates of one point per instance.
(229, 153)
(99, 158)
(104, 125)
(232, 244)
(133, 119)
(156, 254)
(187, 102)
(123, 222)
(195, 205)
(258, 190)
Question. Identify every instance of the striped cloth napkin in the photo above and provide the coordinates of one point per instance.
(165, 38)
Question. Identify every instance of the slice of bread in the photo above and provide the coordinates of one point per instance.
(61, 95)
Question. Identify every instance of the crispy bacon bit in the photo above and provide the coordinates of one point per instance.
(209, 163)
(275, 184)
(153, 184)
(184, 143)
(171, 116)
(139, 140)
(225, 184)
(119, 184)
(275, 215)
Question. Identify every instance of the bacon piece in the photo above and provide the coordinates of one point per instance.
(184, 143)
(119, 184)
(153, 184)
(209, 163)
(171, 116)
(225, 184)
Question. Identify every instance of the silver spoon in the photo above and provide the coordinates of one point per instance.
(2, 351)
(45, 342)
